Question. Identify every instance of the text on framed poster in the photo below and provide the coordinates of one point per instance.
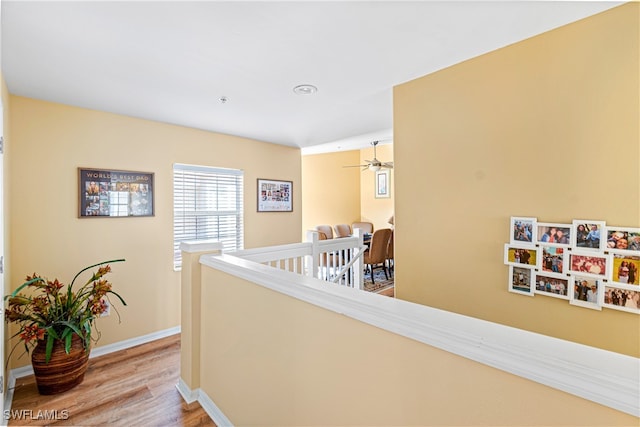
(275, 196)
(114, 193)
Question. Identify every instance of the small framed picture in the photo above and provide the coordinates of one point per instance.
(552, 285)
(554, 234)
(275, 195)
(624, 269)
(521, 280)
(382, 184)
(523, 230)
(623, 240)
(589, 264)
(586, 292)
(552, 259)
(623, 299)
(588, 234)
(520, 255)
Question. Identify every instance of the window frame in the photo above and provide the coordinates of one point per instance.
(203, 207)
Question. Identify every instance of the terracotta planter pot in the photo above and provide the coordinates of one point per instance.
(64, 371)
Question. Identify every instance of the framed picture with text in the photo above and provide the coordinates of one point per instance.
(114, 193)
(275, 195)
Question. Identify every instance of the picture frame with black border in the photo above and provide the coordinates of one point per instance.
(622, 298)
(115, 193)
(623, 240)
(521, 280)
(520, 255)
(625, 269)
(551, 284)
(552, 259)
(588, 235)
(523, 230)
(586, 292)
(589, 264)
(554, 234)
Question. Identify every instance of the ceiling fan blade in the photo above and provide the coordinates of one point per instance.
(374, 164)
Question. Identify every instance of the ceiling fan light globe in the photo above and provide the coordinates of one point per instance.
(374, 168)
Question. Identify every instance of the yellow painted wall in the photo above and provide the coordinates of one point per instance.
(334, 194)
(376, 211)
(50, 141)
(6, 214)
(6, 167)
(273, 360)
(547, 128)
(331, 192)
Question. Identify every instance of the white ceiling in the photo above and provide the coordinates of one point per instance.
(173, 61)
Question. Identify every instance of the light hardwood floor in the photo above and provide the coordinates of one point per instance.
(132, 387)
(389, 292)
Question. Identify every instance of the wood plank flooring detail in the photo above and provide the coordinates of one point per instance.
(132, 387)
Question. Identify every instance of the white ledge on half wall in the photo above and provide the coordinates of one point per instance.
(602, 376)
(194, 246)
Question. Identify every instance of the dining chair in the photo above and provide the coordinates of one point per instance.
(342, 230)
(366, 227)
(376, 255)
(328, 261)
(326, 229)
(390, 260)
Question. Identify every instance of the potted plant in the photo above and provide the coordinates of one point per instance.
(56, 323)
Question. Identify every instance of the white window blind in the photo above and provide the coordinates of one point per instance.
(207, 204)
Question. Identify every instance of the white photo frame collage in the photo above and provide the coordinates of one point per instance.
(585, 262)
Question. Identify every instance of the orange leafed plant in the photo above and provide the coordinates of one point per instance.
(50, 312)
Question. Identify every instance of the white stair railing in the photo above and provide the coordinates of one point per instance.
(335, 260)
(348, 273)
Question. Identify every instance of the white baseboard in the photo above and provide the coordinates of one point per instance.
(187, 394)
(27, 370)
(190, 396)
(123, 345)
(212, 409)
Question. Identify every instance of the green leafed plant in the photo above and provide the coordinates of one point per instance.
(48, 311)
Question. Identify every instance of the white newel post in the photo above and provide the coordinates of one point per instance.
(313, 263)
(190, 313)
(358, 267)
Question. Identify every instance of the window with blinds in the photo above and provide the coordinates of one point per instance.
(207, 204)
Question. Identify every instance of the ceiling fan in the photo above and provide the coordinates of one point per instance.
(375, 164)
